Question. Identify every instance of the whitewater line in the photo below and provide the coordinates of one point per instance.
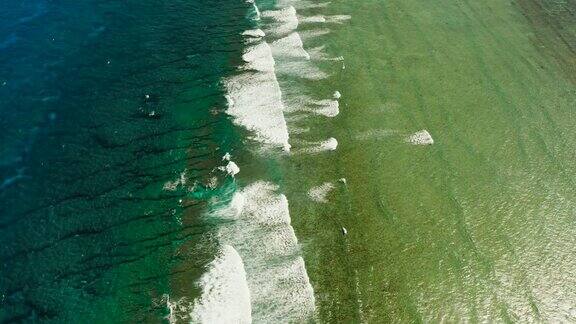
(254, 97)
(259, 274)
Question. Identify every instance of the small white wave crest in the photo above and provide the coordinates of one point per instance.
(420, 138)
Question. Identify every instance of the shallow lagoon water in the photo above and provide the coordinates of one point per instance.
(477, 226)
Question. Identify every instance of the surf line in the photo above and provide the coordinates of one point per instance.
(258, 274)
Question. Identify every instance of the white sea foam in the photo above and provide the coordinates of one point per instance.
(318, 53)
(287, 13)
(420, 138)
(261, 232)
(173, 185)
(316, 147)
(313, 19)
(237, 204)
(338, 18)
(302, 69)
(226, 157)
(258, 58)
(255, 33)
(320, 193)
(303, 4)
(257, 14)
(212, 182)
(225, 295)
(232, 168)
(284, 20)
(375, 134)
(337, 94)
(327, 107)
(178, 310)
(330, 144)
(318, 19)
(307, 34)
(266, 206)
(290, 46)
(255, 99)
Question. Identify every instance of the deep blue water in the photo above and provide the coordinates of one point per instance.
(101, 103)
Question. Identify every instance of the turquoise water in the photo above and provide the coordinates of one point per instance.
(101, 104)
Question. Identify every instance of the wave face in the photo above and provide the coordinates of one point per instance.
(255, 99)
(260, 229)
(225, 297)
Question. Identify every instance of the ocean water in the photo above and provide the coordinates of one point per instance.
(287, 161)
(104, 104)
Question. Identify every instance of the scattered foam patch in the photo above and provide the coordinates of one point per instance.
(211, 183)
(319, 54)
(173, 185)
(266, 206)
(303, 4)
(327, 107)
(318, 19)
(258, 58)
(178, 310)
(420, 138)
(230, 210)
(302, 69)
(307, 34)
(237, 204)
(290, 46)
(375, 134)
(232, 168)
(225, 295)
(284, 20)
(313, 19)
(337, 94)
(320, 193)
(9, 41)
(338, 19)
(328, 145)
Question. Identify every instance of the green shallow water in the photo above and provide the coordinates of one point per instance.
(480, 225)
